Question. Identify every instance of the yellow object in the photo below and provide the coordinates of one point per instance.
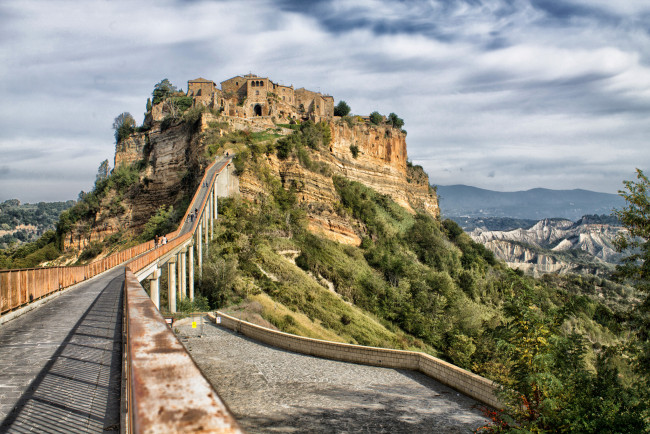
(193, 324)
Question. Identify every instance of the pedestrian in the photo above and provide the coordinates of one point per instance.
(155, 240)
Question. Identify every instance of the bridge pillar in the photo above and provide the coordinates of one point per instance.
(199, 249)
(190, 271)
(205, 229)
(183, 273)
(154, 287)
(214, 201)
(211, 215)
(171, 284)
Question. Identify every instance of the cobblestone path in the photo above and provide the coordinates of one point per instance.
(61, 364)
(272, 390)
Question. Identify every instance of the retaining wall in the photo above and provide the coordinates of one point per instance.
(470, 384)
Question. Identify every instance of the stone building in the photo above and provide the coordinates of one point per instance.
(250, 96)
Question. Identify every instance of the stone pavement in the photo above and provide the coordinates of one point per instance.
(61, 364)
(273, 390)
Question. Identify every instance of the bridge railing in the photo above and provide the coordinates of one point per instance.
(165, 390)
(19, 287)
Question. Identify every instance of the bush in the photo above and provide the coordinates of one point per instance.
(91, 251)
(159, 224)
(342, 109)
(376, 118)
(124, 126)
(355, 151)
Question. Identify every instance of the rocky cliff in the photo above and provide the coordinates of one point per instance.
(554, 245)
(173, 158)
(381, 164)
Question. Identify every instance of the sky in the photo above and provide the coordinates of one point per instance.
(506, 95)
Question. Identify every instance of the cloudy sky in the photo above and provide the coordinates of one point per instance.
(500, 94)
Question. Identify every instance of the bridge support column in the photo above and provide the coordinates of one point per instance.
(183, 274)
(171, 284)
(214, 201)
(154, 287)
(205, 228)
(211, 216)
(190, 271)
(199, 249)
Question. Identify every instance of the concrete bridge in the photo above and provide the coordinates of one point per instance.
(85, 349)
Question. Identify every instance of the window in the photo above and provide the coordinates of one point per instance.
(257, 92)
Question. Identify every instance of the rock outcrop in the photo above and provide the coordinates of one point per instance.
(381, 164)
(171, 158)
(539, 249)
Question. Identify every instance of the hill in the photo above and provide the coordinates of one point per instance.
(24, 222)
(535, 204)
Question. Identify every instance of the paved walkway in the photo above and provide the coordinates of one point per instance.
(61, 364)
(271, 390)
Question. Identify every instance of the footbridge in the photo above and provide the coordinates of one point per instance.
(85, 348)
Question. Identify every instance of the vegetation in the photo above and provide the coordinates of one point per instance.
(354, 149)
(376, 118)
(163, 90)
(310, 136)
(22, 223)
(341, 109)
(124, 125)
(395, 121)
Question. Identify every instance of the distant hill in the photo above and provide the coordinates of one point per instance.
(535, 204)
(21, 223)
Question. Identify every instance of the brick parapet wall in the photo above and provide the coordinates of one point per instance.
(470, 384)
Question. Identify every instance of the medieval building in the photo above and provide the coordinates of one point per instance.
(250, 96)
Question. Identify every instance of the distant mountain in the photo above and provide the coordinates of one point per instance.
(535, 204)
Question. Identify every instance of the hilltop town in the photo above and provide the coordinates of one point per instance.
(250, 96)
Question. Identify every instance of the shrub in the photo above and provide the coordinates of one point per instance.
(91, 251)
(376, 118)
(355, 150)
(342, 109)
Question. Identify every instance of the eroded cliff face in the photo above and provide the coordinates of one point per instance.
(533, 249)
(171, 166)
(381, 164)
(172, 156)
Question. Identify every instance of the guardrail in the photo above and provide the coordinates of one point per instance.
(23, 286)
(165, 390)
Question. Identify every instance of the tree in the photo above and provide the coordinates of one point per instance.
(124, 124)
(103, 171)
(376, 118)
(395, 121)
(342, 109)
(162, 90)
(148, 105)
(635, 217)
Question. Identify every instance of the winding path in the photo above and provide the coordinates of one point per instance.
(272, 390)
